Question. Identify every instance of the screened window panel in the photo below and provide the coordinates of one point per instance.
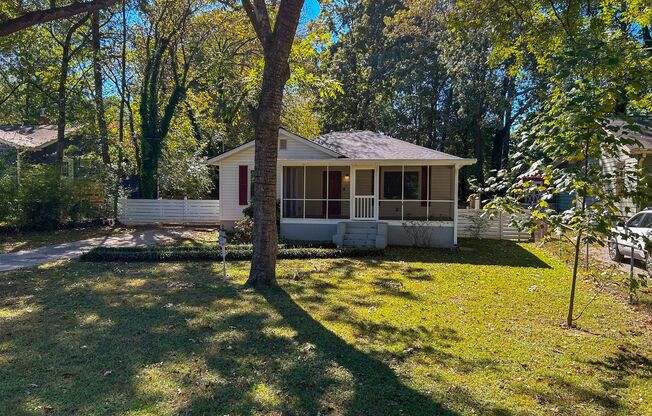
(293, 182)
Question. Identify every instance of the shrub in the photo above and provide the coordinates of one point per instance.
(8, 197)
(44, 199)
(243, 231)
(214, 253)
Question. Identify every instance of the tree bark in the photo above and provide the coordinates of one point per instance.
(36, 17)
(267, 121)
(102, 130)
(62, 94)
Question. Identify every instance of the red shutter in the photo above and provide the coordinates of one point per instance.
(243, 183)
(424, 185)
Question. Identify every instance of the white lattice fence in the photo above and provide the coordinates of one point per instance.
(166, 211)
(496, 228)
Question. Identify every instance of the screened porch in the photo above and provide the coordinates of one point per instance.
(394, 193)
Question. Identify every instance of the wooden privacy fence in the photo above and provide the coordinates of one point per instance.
(167, 211)
(470, 225)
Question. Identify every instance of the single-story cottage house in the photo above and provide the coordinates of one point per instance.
(356, 188)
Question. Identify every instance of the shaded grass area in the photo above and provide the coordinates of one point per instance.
(12, 242)
(420, 332)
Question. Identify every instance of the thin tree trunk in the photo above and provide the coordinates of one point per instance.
(61, 104)
(121, 112)
(62, 94)
(102, 130)
(576, 261)
(478, 148)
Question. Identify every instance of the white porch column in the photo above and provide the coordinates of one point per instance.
(376, 192)
(455, 202)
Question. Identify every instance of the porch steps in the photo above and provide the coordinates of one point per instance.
(361, 234)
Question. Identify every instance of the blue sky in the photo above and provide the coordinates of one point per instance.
(310, 10)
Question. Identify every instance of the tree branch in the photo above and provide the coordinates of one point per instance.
(36, 17)
(259, 18)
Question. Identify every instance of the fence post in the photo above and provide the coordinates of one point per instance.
(185, 209)
(500, 225)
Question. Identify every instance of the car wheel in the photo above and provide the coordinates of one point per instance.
(614, 252)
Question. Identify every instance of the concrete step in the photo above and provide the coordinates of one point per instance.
(360, 244)
(359, 241)
(360, 235)
(362, 226)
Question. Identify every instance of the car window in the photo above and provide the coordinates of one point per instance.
(636, 220)
(646, 222)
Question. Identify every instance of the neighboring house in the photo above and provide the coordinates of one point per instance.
(631, 156)
(38, 144)
(637, 154)
(356, 188)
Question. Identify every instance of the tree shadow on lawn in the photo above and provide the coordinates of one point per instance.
(102, 345)
(472, 251)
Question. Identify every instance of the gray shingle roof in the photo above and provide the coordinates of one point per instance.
(375, 146)
(30, 137)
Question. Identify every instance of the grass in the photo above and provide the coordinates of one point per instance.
(606, 274)
(420, 332)
(13, 242)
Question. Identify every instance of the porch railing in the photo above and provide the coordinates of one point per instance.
(364, 207)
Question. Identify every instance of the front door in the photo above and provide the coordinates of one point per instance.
(364, 203)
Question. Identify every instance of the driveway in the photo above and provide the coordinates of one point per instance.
(602, 255)
(49, 254)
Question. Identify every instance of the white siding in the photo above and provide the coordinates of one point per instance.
(611, 166)
(300, 150)
(230, 207)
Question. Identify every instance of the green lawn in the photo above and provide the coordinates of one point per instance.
(420, 332)
(12, 242)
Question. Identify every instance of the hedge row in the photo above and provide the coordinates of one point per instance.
(181, 253)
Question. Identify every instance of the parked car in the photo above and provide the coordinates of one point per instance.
(633, 233)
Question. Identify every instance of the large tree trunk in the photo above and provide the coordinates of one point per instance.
(263, 265)
(267, 119)
(102, 130)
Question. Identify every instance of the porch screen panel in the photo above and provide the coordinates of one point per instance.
(440, 211)
(441, 183)
(339, 192)
(293, 191)
(416, 193)
(317, 192)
